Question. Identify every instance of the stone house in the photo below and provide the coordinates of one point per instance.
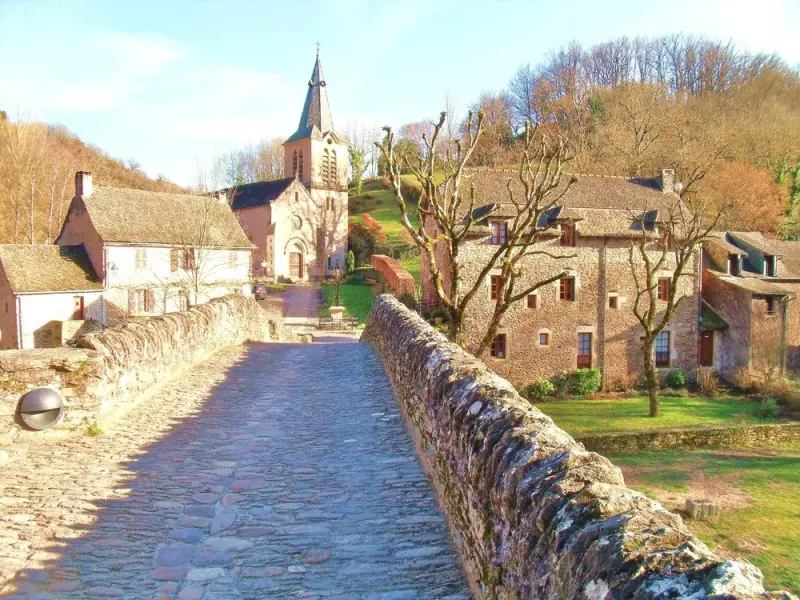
(586, 318)
(299, 224)
(156, 252)
(751, 284)
(47, 295)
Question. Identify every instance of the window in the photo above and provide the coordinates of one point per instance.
(499, 346)
(568, 234)
(584, 350)
(613, 302)
(294, 166)
(567, 289)
(329, 203)
(770, 308)
(297, 196)
(149, 301)
(499, 232)
(187, 259)
(6, 306)
(770, 266)
(325, 166)
(663, 236)
(496, 285)
(662, 350)
(233, 260)
(544, 339)
(300, 165)
(174, 259)
(733, 265)
(332, 174)
(664, 284)
(533, 300)
(140, 258)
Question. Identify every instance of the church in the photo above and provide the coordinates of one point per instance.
(299, 224)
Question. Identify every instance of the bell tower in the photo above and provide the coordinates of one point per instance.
(318, 156)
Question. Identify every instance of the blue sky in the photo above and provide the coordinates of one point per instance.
(169, 83)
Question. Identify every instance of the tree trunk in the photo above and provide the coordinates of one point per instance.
(652, 376)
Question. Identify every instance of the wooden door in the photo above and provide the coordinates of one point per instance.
(296, 265)
(707, 349)
(77, 308)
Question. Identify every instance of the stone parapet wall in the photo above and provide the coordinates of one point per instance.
(109, 370)
(533, 514)
(743, 435)
(397, 278)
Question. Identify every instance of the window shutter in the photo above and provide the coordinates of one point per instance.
(131, 302)
(149, 301)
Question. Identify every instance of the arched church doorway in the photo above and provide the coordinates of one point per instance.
(296, 262)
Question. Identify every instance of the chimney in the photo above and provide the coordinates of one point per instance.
(221, 196)
(667, 180)
(83, 183)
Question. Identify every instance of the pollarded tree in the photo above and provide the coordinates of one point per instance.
(668, 244)
(447, 216)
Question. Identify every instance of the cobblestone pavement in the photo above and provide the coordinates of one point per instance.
(271, 471)
(301, 301)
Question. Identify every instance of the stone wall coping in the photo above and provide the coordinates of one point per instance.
(533, 514)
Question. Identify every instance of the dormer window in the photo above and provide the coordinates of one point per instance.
(771, 265)
(499, 232)
(733, 265)
(568, 234)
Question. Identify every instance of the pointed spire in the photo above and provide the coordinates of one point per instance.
(315, 119)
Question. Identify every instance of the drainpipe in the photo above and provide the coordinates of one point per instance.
(784, 325)
(603, 305)
(18, 303)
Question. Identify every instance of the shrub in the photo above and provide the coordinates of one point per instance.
(540, 389)
(408, 301)
(742, 378)
(677, 392)
(349, 262)
(769, 408)
(779, 387)
(94, 430)
(577, 383)
(707, 380)
(386, 183)
(374, 226)
(676, 379)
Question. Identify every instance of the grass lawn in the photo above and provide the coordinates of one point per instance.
(630, 414)
(382, 207)
(357, 299)
(757, 489)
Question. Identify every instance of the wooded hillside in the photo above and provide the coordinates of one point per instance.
(726, 120)
(37, 169)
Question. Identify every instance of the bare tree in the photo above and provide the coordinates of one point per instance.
(447, 215)
(668, 244)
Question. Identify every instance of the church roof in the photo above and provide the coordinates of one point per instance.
(260, 193)
(316, 120)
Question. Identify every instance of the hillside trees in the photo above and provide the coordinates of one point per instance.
(37, 168)
(263, 161)
(447, 216)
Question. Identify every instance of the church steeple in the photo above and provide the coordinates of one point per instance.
(316, 117)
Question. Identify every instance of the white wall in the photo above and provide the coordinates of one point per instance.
(216, 274)
(38, 311)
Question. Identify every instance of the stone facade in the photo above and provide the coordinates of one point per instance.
(112, 368)
(533, 514)
(743, 299)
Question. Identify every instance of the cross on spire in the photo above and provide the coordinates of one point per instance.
(317, 49)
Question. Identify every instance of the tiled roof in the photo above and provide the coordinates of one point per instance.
(261, 193)
(754, 285)
(789, 266)
(719, 238)
(315, 120)
(605, 206)
(48, 269)
(127, 216)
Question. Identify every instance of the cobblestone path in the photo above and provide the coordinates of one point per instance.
(271, 471)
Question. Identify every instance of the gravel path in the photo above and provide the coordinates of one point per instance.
(271, 471)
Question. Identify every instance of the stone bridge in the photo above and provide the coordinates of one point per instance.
(299, 471)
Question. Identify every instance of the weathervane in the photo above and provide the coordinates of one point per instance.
(317, 49)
